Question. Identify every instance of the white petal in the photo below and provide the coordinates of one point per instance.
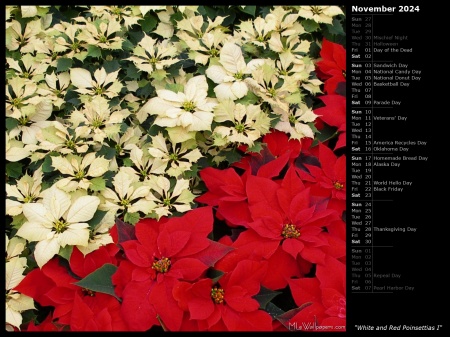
(201, 120)
(98, 167)
(231, 58)
(83, 209)
(33, 231)
(171, 96)
(216, 73)
(81, 78)
(223, 92)
(75, 234)
(62, 165)
(36, 212)
(14, 271)
(239, 89)
(57, 202)
(196, 88)
(45, 250)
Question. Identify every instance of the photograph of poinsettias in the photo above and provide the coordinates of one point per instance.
(175, 168)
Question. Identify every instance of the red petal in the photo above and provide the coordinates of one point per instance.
(188, 268)
(293, 247)
(305, 290)
(274, 167)
(238, 298)
(171, 243)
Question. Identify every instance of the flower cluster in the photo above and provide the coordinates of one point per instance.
(175, 167)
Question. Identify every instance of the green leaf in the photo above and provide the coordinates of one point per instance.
(65, 252)
(248, 99)
(127, 162)
(323, 135)
(127, 45)
(14, 170)
(63, 64)
(107, 151)
(133, 72)
(148, 24)
(310, 25)
(111, 66)
(214, 274)
(273, 310)
(256, 147)
(249, 10)
(175, 87)
(159, 74)
(232, 156)
(94, 51)
(100, 280)
(97, 218)
(264, 296)
(131, 218)
(47, 165)
(18, 220)
(288, 315)
(336, 27)
(97, 184)
(11, 123)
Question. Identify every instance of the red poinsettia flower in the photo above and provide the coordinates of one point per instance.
(329, 179)
(323, 298)
(226, 189)
(164, 252)
(54, 285)
(332, 66)
(227, 305)
(287, 214)
(334, 114)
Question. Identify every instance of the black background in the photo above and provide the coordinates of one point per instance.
(419, 257)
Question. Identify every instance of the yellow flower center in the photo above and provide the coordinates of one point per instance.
(338, 185)
(217, 294)
(189, 106)
(79, 175)
(316, 10)
(60, 226)
(162, 265)
(290, 231)
(240, 127)
(88, 292)
(239, 76)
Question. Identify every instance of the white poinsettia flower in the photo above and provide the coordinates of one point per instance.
(151, 55)
(144, 164)
(168, 200)
(15, 149)
(98, 117)
(175, 158)
(122, 14)
(57, 222)
(165, 26)
(256, 31)
(249, 122)
(128, 194)
(61, 138)
(79, 169)
(55, 87)
(295, 122)
(104, 84)
(291, 45)
(128, 140)
(28, 67)
(30, 109)
(320, 14)
(100, 235)
(189, 109)
(16, 302)
(15, 39)
(230, 75)
(27, 189)
(67, 41)
(103, 36)
(285, 22)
